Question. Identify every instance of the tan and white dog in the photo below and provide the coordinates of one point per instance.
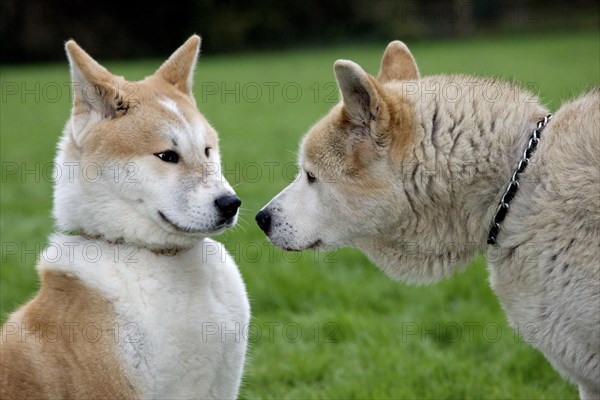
(135, 300)
(411, 171)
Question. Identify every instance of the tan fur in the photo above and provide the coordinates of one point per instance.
(117, 138)
(181, 63)
(397, 63)
(134, 137)
(394, 116)
(80, 362)
(344, 157)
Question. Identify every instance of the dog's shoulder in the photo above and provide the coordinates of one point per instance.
(579, 119)
(69, 318)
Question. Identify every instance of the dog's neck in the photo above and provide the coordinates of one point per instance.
(159, 251)
(469, 136)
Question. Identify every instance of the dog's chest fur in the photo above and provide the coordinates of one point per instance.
(180, 319)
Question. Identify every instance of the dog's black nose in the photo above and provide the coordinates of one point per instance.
(263, 219)
(228, 205)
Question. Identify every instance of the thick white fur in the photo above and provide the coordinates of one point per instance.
(421, 211)
(181, 321)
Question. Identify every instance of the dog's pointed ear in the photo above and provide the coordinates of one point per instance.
(178, 70)
(359, 94)
(397, 63)
(84, 69)
(95, 91)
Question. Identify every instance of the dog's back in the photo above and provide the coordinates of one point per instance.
(549, 276)
(573, 156)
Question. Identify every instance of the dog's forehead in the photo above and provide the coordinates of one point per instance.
(185, 124)
(171, 105)
(324, 147)
(178, 111)
(159, 118)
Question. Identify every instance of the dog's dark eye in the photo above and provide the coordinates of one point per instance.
(168, 156)
(311, 178)
(207, 152)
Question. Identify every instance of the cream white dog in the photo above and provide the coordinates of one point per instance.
(135, 300)
(413, 170)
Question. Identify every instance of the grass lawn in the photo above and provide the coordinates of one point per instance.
(325, 325)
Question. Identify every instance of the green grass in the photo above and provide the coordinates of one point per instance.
(362, 335)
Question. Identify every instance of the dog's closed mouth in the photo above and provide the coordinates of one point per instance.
(313, 246)
(228, 223)
(184, 229)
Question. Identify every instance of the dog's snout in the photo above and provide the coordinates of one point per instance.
(263, 219)
(228, 205)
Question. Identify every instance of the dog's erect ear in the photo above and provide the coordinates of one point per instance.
(95, 90)
(178, 70)
(91, 81)
(358, 92)
(397, 63)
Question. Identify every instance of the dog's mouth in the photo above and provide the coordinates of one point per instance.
(228, 223)
(315, 246)
(184, 229)
(191, 230)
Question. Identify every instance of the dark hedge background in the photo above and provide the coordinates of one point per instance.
(34, 30)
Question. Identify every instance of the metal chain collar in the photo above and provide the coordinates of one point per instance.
(513, 186)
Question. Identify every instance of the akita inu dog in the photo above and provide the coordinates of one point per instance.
(420, 173)
(135, 300)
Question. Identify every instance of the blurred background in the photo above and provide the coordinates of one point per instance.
(33, 30)
(324, 325)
